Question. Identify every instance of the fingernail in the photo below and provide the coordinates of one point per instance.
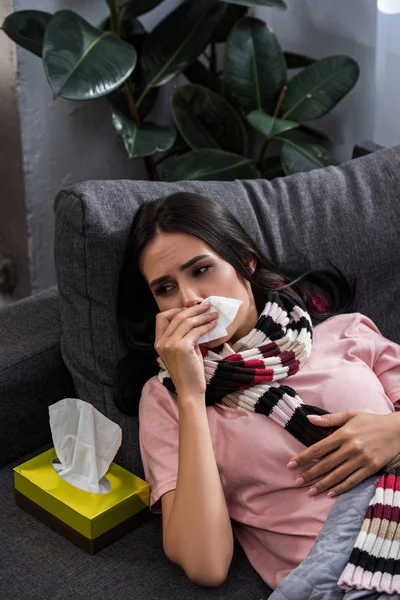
(312, 492)
(292, 464)
(332, 494)
(298, 482)
(205, 303)
(314, 416)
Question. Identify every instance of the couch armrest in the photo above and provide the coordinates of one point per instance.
(32, 373)
(366, 147)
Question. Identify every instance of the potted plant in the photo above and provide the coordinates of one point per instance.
(237, 83)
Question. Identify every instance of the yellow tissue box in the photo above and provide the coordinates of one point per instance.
(91, 521)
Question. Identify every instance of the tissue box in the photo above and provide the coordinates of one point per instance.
(89, 520)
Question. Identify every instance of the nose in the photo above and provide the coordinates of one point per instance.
(189, 297)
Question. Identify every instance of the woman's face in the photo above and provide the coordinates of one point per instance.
(182, 270)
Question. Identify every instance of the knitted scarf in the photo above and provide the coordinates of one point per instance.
(246, 375)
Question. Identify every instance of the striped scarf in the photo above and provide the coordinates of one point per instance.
(246, 375)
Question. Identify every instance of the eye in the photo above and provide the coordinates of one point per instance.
(163, 290)
(201, 270)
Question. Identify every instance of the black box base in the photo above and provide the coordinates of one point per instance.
(88, 545)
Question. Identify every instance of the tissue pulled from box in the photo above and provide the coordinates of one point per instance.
(85, 442)
(227, 309)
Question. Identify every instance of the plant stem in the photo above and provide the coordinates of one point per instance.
(151, 168)
(131, 104)
(114, 11)
(280, 100)
(275, 115)
(262, 152)
(148, 160)
(141, 97)
(166, 155)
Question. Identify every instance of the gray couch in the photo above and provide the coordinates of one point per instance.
(63, 343)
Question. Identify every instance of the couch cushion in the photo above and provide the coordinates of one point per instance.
(32, 372)
(347, 214)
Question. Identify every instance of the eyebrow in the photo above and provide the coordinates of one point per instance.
(183, 267)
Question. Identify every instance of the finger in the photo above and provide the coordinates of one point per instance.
(348, 483)
(199, 331)
(163, 319)
(316, 451)
(327, 465)
(183, 315)
(332, 419)
(340, 479)
(193, 323)
(174, 320)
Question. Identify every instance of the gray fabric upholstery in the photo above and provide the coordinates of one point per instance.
(37, 563)
(348, 214)
(32, 372)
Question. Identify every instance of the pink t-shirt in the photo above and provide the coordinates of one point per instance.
(351, 367)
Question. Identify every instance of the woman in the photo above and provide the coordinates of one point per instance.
(214, 468)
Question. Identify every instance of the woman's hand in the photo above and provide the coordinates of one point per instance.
(363, 444)
(177, 331)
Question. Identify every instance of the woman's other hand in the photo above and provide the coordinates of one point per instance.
(177, 331)
(363, 444)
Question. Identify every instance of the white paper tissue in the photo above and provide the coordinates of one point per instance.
(85, 442)
(227, 309)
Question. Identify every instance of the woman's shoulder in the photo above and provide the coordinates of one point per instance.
(347, 325)
(155, 396)
(153, 384)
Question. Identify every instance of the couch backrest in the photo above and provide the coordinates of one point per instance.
(348, 214)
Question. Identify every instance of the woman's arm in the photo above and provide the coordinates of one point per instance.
(197, 532)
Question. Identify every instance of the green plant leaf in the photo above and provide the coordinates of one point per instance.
(177, 41)
(255, 68)
(179, 147)
(119, 101)
(267, 125)
(313, 92)
(26, 28)
(198, 73)
(132, 31)
(135, 8)
(233, 13)
(81, 62)
(272, 168)
(298, 157)
(206, 120)
(210, 165)
(298, 61)
(144, 139)
(316, 134)
(278, 4)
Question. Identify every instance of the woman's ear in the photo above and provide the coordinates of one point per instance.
(252, 264)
